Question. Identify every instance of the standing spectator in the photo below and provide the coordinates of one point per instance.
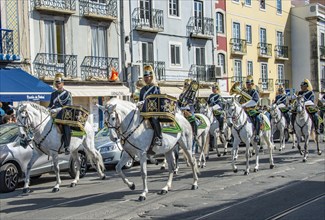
(7, 119)
(2, 113)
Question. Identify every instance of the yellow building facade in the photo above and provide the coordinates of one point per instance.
(258, 44)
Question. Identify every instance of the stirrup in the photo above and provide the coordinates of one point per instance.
(158, 142)
(66, 151)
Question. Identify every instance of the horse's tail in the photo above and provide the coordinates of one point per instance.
(95, 158)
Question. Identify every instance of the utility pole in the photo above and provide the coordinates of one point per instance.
(122, 40)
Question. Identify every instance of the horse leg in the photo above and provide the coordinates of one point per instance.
(267, 139)
(171, 167)
(56, 167)
(306, 148)
(247, 154)
(143, 164)
(76, 158)
(206, 145)
(118, 168)
(95, 156)
(176, 155)
(35, 156)
(234, 155)
(274, 127)
(319, 152)
(215, 139)
(282, 139)
(163, 165)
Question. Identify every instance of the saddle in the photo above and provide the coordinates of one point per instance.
(201, 124)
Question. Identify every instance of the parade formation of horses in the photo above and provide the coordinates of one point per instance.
(242, 131)
(214, 129)
(124, 121)
(36, 124)
(304, 127)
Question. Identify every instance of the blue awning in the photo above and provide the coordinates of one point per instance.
(18, 85)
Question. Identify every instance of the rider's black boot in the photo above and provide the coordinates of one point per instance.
(221, 123)
(155, 124)
(66, 138)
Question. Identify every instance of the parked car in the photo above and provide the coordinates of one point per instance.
(14, 159)
(111, 151)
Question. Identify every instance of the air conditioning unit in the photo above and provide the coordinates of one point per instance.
(218, 72)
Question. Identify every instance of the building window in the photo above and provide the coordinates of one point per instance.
(249, 68)
(98, 41)
(220, 23)
(262, 4)
(221, 62)
(200, 56)
(281, 73)
(265, 76)
(248, 2)
(322, 39)
(249, 34)
(235, 0)
(279, 6)
(147, 52)
(174, 8)
(175, 54)
(238, 71)
(99, 1)
(54, 37)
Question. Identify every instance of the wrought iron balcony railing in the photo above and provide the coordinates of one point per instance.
(322, 83)
(322, 52)
(205, 73)
(264, 50)
(151, 20)
(281, 52)
(98, 67)
(158, 67)
(105, 11)
(266, 85)
(47, 65)
(59, 6)
(7, 46)
(238, 46)
(200, 27)
(282, 82)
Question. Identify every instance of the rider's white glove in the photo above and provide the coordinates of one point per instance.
(55, 110)
(140, 104)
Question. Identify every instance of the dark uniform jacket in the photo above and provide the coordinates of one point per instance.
(255, 95)
(60, 99)
(215, 99)
(308, 95)
(280, 99)
(148, 90)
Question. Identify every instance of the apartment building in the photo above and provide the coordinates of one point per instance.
(258, 42)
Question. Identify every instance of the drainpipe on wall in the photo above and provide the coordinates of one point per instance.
(122, 40)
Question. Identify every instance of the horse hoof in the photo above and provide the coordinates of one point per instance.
(235, 170)
(304, 160)
(163, 192)
(301, 153)
(27, 190)
(246, 173)
(194, 187)
(320, 152)
(54, 190)
(132, 187)
(255, 170)
(175, 172)
(207, 158)
(162, 168)
(279, 149)
(142, 198)
(73, 184)
(271, 166)
(219, 155)
(224, 153)
(293, 147)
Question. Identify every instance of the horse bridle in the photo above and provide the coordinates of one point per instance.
(276, 115)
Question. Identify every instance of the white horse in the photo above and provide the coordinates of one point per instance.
(35, 124)
(304, 127)
(215, 129)
(278, 122)
(124, 121)
(242, 130)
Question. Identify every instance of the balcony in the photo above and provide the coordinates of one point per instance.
(282, 82)
(98, 68)
(238, 46)
(241, 79)
(206, 73)
(200, 27)
(7, 46)
(158, 68)
(264, 50)
(101, 11)
(148, 20)
(322, 52)
(266, 85)
(281, 52)
(46, 65)
(57, 6)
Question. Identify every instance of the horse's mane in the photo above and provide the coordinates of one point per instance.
(36, 106)
(124, 106)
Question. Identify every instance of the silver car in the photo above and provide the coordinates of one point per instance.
(14, 159)
(110, 151)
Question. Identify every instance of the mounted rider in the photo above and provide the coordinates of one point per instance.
(215, 102)
(150, 88)
(59, 99)
(321, 105)
(186, 103)
(281, 102)
(250, 106)
(309, 98)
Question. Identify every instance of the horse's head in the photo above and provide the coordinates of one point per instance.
(300, 104)
(273, 110)
(111, 120)
(24, 122)
(230, 109)
(203, 108)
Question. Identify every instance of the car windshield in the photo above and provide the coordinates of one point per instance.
(103, 133)
(8, 133)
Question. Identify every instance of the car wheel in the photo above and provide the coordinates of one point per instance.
(9, 176)
(83, 166)
(129, 164)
